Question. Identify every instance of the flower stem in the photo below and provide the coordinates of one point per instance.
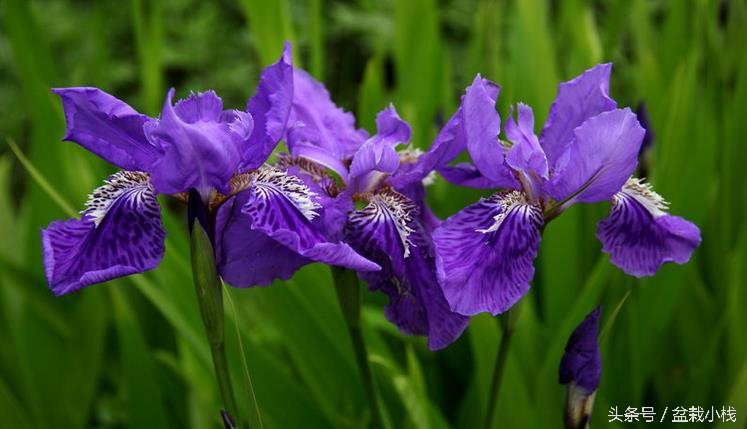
(209, 289)
(349, 296)
(509, 324)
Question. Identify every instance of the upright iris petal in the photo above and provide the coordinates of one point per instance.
(526, 154)
(600, 158)
(200, 151)
(578, 100)
(378, 154)
(640, 235)
(482, 125)
(318, 129)
(270, 110)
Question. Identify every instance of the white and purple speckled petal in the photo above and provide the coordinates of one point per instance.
(485, 253)
(247, 257)
(391, 232)
(120, 233)
(283, 207)
(640, 235)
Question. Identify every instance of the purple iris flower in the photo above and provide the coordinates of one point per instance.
(194, 144)
(392, 225)
(586, 153)
(581, 370)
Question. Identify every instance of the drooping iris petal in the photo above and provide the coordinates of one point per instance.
(108, 127)
(282, 206)
(389, 231)
(526, 154)
(482, 126)
(484, 253)
(582, 362)
(200, 151)
(378, 153)
(600, 158)
(120, 233)
(640, 235)
(578, 100)
(247, 257)
(318, 129)
(466, 174)
(270, 109)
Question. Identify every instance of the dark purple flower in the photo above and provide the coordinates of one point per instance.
(393, 227)
(581, 370)
(587, 152)
(194, 144)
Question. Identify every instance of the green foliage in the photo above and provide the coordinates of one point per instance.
(132, 353)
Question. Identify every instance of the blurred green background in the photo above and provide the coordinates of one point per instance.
(132, 353)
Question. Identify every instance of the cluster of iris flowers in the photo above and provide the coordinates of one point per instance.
(347, 199)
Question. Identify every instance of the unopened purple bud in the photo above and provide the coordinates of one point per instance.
(581, 370)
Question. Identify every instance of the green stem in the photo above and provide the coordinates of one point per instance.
(209, 289)
(255, 416)
(349, 296)
(500, 365)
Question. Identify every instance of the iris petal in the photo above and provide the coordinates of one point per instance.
(108, 127)
(392, 232)
(482, 125)
(378, 153)
(526, 155)
(466, 174)
(578, 100)
(247, 257)
(601, 157)
(484, 253)
(317, 127)
(200, 152)
(640, 236)
(120, 233)
(270, 109)
(282, 207)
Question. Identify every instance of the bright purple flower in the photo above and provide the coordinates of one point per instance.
(581, 370)
(587, 152)
(194, 144)
(393, 228)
